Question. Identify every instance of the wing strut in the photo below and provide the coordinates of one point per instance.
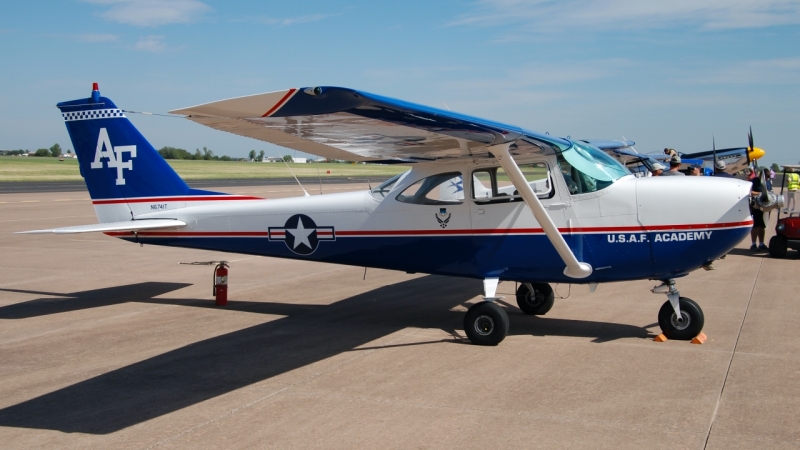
(574, 269)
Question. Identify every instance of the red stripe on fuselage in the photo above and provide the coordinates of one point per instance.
(280, 103)
(467, 232)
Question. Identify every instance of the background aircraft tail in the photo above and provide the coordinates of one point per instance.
(125, 175)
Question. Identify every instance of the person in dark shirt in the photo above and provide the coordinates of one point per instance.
(759, 227)
(719, 170)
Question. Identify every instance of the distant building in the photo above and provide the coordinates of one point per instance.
(300, 160)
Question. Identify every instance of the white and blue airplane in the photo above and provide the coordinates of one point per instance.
(736, 159)
(483, 200)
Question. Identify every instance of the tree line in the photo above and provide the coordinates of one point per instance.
(178, 153)
(166, 152)
(54, 151)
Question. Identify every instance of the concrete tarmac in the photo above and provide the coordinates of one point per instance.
(105, 344)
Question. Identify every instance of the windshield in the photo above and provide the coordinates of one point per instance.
(588, 169)
(594, 162)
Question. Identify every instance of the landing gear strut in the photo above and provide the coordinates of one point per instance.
(679, 317)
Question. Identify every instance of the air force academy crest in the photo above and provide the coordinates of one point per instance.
(443, 217)
(301, 234)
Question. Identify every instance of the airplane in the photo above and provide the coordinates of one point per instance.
(735, 159)
(483, 200)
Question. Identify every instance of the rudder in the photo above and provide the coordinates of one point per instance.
(118, 164)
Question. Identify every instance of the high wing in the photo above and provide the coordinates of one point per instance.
(128, 225)
(341, 123)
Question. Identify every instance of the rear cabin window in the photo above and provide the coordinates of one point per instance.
(385, 187)
(492, 185)
(441, 189)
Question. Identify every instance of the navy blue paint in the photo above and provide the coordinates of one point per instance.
(518, 258)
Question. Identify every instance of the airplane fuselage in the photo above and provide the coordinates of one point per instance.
(632, 229)
(735, 159)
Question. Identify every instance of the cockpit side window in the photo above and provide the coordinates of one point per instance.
(492, 185)
(442, 189)
(588, 169)
(577, 181)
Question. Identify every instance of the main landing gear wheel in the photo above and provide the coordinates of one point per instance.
(778, 246)
(538, 302)
(486, 324)
(689, 325)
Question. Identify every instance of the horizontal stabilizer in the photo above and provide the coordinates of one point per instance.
(128, 225)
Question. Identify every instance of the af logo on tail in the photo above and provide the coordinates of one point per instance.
(113, 154)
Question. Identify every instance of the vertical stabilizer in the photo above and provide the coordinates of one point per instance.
(120, 167)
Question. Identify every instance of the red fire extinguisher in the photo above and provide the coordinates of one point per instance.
(221, 283)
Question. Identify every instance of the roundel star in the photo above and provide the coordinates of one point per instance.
(301, 234)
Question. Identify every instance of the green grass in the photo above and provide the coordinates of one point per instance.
(14, 168)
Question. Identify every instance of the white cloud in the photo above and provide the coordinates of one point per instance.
(581, 15)
(294, 20)
(151, 13)
(154, 44)
(89, 37)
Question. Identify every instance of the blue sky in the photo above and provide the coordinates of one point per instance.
(665, 74)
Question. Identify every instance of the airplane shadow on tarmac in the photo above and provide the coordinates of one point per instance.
(212, 367)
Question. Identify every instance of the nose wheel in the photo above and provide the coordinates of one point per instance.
(535, 298)
(680, 318)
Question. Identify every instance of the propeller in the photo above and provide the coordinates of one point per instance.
(750, 145)
(764, 192)
(767, 201)
(714, 150)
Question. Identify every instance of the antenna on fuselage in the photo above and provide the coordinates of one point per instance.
(295, 176)
(319, 176)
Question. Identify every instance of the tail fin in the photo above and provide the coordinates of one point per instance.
(118, 164)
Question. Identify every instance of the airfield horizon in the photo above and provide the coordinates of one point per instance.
(43, 169)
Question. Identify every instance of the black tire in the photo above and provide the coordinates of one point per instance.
(486, 324)
(693, 320)
(538, 302)
(778, 246)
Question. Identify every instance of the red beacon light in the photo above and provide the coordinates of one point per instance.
(95, 98)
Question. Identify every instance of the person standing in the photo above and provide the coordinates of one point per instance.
(719, 170)
(674, 165)
(792, 184)
(657, 169)
(759, 227)
(695, 170)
